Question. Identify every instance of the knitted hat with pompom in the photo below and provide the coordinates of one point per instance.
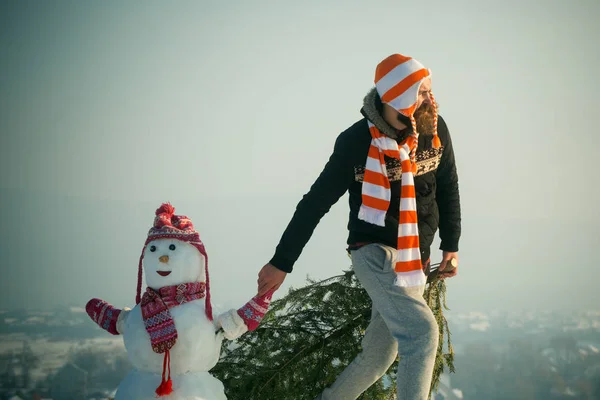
(167, 225)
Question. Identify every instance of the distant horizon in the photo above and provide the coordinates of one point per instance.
(463, 310)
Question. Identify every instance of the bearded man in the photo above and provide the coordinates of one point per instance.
(397, 164)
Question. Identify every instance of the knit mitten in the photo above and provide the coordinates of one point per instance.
(232, 324)
(237, 322)
(254, 310)
(105, 315)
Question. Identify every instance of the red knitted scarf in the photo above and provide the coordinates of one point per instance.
(159, 323)
(155, 311)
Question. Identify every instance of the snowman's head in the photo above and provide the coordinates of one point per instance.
(170, 262)
(173, 254)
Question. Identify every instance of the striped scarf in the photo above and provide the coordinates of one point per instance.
(397, 79)
(376, 196)
(155, 311)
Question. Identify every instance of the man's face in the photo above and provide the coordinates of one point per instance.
(425, 112)
(424, 93)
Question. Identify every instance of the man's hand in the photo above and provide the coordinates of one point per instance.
(447, 270)
(269, 278)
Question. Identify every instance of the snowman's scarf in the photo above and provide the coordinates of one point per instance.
(159, 323)
(155, 311)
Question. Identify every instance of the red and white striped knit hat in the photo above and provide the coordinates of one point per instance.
(397, 80)
(167, 225)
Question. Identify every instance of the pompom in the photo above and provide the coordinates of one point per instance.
(166, 385)
(165, 388)
(165, 208)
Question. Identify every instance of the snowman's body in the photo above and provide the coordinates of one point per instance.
(196, 352)
(198, 346)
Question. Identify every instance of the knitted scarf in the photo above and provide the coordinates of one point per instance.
(376, 196)
(159, 323)
(398, 79)
(155, 311)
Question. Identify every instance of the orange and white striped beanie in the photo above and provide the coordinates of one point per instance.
(397, 80)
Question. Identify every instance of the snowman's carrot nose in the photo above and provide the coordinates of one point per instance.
(163, 259)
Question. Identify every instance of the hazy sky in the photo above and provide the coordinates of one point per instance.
(229, 110)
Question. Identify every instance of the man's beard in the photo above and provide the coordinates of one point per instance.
(424, 117)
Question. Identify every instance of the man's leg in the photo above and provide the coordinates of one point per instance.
(407, 316)
(379, 350)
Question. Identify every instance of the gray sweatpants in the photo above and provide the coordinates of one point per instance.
(401, 323)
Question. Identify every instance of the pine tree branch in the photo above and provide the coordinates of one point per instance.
(339, 331)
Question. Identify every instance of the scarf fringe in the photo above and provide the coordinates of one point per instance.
(411, 279)
(166, 385)
(371, 215)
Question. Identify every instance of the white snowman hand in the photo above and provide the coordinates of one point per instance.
(121, 320)
(233, 325)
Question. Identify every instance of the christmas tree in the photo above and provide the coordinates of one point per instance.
(307, 339)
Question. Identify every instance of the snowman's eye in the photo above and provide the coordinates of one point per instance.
(153, 248)
(172, 247)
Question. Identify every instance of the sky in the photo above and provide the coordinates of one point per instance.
(229, 110)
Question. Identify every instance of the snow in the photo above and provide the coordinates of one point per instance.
(138, 385)
(579, 326)
(56, 353)
(480, 326)
(473, 315)
(185, 263)
(34, 320)
(198, 346)
(43, 313)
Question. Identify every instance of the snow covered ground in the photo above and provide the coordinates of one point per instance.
(53, 337)
(53, 354)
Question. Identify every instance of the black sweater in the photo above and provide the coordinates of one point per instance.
(436, 186)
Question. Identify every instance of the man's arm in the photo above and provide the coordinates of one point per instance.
(332, 183)
(447, 194)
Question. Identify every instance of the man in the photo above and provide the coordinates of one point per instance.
(397, 163)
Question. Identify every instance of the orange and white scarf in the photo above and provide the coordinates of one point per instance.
(397, 80)
(376, 195)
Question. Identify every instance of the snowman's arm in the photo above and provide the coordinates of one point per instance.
(106, 316)
(121, 320)
(247, 318)
(233, 325)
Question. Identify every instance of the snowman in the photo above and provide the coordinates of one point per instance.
(170, 336)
